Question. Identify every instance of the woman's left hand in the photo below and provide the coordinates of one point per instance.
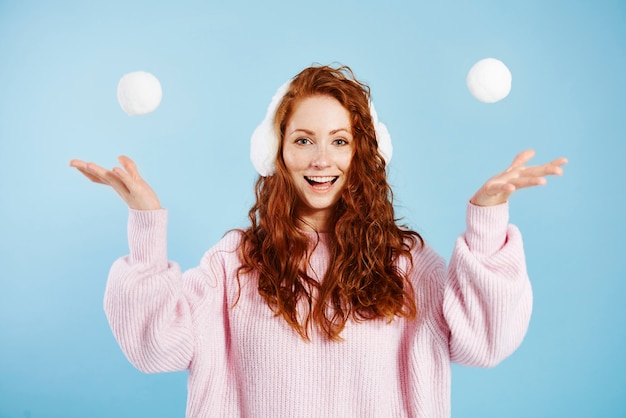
(518, 176)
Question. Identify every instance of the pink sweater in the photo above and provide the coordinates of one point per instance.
(247, 362)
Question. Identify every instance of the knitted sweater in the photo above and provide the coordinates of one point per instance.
(244, 361)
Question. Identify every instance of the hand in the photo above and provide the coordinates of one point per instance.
(518, 176)
(126, 182)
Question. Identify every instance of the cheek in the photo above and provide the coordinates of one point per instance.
(344, 161)
(291, 160)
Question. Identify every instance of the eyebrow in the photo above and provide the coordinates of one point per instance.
(306, 131)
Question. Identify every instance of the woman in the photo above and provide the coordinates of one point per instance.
(323, 307)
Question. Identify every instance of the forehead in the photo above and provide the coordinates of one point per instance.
(319, 111)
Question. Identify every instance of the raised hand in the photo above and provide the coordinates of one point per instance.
(518, 176)
(125, 181)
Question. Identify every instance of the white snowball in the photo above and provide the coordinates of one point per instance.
(139, 93)
(489, 80)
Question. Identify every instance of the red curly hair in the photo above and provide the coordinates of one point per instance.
(362, 281)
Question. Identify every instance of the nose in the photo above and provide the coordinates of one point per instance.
(320, 159)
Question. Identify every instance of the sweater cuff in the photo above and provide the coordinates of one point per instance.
(147, 236)
(486, 228)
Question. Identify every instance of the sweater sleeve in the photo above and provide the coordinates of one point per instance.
(487, 294)
(149, 303)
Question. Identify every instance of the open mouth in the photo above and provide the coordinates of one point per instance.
(321, 182)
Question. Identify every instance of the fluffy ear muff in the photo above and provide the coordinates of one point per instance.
(383, 138)
(264, 140)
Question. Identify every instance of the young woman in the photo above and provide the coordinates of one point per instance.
(323, 306)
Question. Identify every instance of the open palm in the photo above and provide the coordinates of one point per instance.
(126, 181)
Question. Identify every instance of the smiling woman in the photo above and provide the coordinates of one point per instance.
(323, 306)
(329, 178)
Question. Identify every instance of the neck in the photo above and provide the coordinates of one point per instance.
(318, 221)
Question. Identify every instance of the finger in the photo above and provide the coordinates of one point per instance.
(117, 183)
(91, 176)
(521, 159)
(96, 170)
(553, 170)
(126, 178)
(84, 168)
(542, 170)
(559, 162)
(524, 182)
(76, 163)
(537, 171)
(129, 165)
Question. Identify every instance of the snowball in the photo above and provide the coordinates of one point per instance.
(489, 80)
(139, 93)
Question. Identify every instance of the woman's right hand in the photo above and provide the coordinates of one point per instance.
(125, 181)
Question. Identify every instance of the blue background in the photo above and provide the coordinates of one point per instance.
(219, 64)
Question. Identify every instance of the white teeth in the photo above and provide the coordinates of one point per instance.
(321, 179)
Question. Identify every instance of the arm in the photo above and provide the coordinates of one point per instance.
(145, 302)
(487, 294)
(149, 304)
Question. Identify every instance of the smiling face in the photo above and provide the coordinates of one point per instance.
(317, 150)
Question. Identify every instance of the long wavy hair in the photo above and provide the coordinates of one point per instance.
(363, 281)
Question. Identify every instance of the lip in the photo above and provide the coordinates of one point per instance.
(321, 184)
(321, 179)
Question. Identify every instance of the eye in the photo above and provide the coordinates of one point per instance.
(340, 142)
(302, 141)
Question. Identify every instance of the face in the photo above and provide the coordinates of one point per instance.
(317, 150)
